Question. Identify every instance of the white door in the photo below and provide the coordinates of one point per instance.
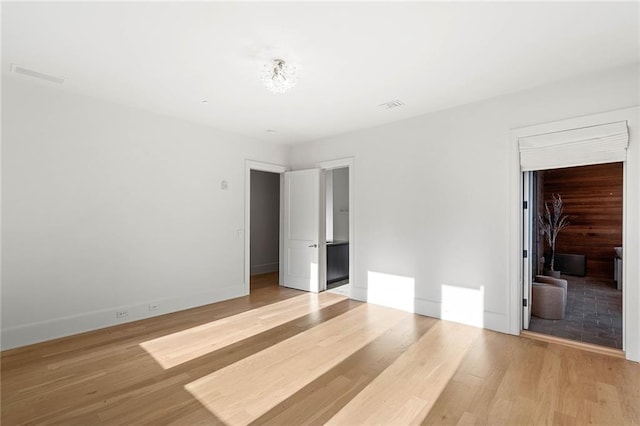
(527, 245)
(302, 229)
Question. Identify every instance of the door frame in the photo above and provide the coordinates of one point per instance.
(325, 166)
(527, 244)
(630, 223)
(263, 167)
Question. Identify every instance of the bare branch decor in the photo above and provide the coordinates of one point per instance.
(552, 223)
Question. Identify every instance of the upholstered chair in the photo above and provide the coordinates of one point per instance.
(556, 282)
(549, 297)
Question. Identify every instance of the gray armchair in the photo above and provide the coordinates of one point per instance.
(549, 297)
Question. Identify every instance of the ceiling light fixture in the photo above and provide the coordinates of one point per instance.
(279, 77)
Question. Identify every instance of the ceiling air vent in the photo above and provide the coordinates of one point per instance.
(35, 74)
(391, 104)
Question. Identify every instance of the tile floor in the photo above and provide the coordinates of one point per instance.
(593, 314)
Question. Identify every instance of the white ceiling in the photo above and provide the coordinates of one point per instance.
(168, 57)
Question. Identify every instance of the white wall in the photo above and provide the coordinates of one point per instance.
(106, 207)
(265, 222)
(432, 194)
(340, 204)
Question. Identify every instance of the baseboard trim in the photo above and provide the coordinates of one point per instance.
(490, 320)
(265, 268)
(426, 307)
(602, 350)
(496, 321)
(433, 308)
(358, 293)
(37, 332)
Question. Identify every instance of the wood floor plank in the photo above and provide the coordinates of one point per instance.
(405, 392)
(384, 367)
(538, 383)
(177, 348)
(282, 370)
(322, 398)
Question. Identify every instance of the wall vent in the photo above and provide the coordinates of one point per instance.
(35, 74)
(391, 104)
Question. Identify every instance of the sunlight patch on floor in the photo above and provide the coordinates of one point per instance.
(242, 392)
(406, 390)
(186, 345)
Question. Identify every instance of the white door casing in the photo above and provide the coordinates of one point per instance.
(302, 229)
(527, 218)
(630, 227)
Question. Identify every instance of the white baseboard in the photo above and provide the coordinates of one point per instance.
(426, 307)
(490, 320)
(496, 322)
(358, 293)
(432, 308)
(265, 268)
(22, 335)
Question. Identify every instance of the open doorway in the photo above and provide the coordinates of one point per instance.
(264, 232)
(262, 220)
(576, 289)
(337, 230)
(603, 138)
(302, 236)
(338, 233)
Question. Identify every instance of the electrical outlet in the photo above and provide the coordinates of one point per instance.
(153, 306)
(121, 314)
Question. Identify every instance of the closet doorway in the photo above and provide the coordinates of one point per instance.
(264, 247)
(263, 225)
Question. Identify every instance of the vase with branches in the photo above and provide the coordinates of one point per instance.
(552, 223)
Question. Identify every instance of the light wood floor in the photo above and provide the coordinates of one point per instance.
(284, 357)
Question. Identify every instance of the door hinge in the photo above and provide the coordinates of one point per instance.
(524, 302)
(525, 205)
(525, 253)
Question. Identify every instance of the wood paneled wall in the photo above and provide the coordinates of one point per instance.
(592, 197)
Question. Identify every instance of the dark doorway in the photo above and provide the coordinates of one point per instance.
(265, 229)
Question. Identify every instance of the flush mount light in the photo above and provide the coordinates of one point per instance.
(279, 77)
